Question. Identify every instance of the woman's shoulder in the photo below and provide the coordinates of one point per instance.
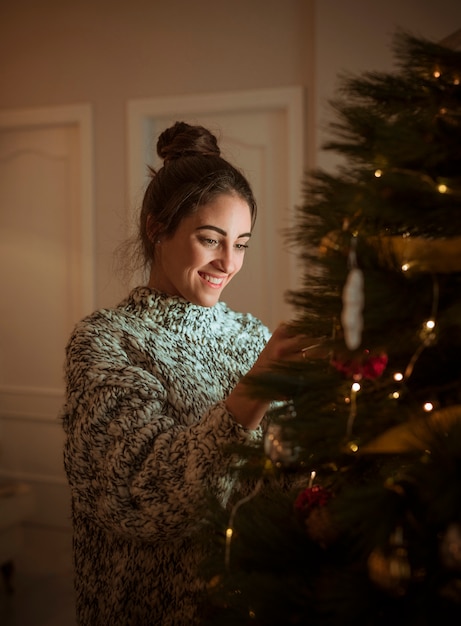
(246, 320)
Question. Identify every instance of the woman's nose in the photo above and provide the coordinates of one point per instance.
(226, 261)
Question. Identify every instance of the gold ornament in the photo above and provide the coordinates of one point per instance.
(441, 255)
(419, 254)
(414, 435)
(390, 569)
(450, 547)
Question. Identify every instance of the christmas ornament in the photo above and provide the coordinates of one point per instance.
(417, 254)
(365, 365)
(389, 568)
(450, 547)
(310, 506)
(420, 254)
(278, 448)
(415, 434)
(311, 497)
(353, 301)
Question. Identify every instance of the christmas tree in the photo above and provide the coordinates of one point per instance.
(368, 529)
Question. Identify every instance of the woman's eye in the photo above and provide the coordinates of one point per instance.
(207, 241)
(241, 246)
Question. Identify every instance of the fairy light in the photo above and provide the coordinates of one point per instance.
(405, 267)
(378, 173)
(398, 376)
(395, 395)
(312, 477)
(426, 334)
(353, 411)
(428, 407)
(230, 527)
(436, 74)
(442, 188)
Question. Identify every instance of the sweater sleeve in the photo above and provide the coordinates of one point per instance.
(133, 468)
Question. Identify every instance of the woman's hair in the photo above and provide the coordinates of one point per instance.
(193, 174)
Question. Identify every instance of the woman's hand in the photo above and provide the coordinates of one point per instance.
(282, 346)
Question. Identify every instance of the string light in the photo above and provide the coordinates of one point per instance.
(230, 527)
(378, 173)
(405, 267)
(427, 335)
(428, 406)
(442, 188)
(353, 411)
(436, 74)
(395, 395)
(398, 376)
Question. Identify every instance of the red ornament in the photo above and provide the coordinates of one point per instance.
(365, 365)
(310, 498)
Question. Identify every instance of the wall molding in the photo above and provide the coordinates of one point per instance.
(37, 404)
(33, 478)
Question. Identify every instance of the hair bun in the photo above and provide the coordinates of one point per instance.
(182, 139)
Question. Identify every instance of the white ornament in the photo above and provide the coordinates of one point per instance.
(353, 302)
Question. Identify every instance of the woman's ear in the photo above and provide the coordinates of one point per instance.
(153, 230)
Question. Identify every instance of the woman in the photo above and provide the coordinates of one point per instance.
(155, 394)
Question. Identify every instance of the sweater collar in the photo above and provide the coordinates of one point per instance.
(172, 312)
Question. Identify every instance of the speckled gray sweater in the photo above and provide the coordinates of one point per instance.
(146, 429)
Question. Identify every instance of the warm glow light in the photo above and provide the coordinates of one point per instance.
(405, 267)
(395, 395)
(229, 533)
(355, 387)
(456, 81)
(442, 188)
(428, 406)
(398, 376)
(436, 74)
(430, 324)
(353, 447)
(378, 173)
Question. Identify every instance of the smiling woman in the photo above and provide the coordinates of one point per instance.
(156, 393)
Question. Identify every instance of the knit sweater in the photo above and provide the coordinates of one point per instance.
(146, 437)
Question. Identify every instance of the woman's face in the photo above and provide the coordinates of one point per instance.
(205, 253)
